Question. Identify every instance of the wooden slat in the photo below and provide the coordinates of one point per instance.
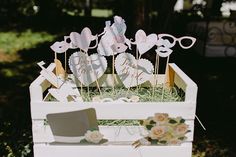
(184, 82)
(42, 150)
(39, 85)
(119, 110)
(43, 134)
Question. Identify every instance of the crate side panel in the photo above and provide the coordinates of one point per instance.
(117, 110)
(184, 82)
(112, 150)
(43, 134)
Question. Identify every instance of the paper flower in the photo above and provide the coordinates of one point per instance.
(181, 129)
(157, 132)
(164, 130)
(160, 118)
(174, 141)
(93, 136)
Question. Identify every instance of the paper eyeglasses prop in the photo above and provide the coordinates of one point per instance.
(167, 41)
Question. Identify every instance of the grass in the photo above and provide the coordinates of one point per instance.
(12, 42)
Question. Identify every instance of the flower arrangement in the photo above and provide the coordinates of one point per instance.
(163, 130)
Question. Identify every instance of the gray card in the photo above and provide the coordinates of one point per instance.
(70, 127)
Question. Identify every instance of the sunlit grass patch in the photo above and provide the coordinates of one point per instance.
(12, 42)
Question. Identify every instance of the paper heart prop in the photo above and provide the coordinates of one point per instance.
(87, 69)
(60, 47)
(133, 72)
(144, 42)
(82, 40)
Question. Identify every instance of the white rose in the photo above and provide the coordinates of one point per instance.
(181, 129)
(161, 118)
(174, 141)
(157, 132)
(93, 136)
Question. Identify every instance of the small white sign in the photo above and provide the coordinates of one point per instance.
(87, 69)
(133, 72)
(144, 42)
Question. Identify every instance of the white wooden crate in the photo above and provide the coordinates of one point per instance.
(119, 137)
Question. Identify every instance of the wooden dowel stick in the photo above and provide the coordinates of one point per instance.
(113, 72)
(99, 89)
(65, 66)
(55, 56)
(166, 70)
(156, 70)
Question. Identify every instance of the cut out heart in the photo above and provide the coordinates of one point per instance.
(87, 69)
(82, 40)
(144, 42)
(133, 72)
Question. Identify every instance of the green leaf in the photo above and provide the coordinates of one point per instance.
(152, 122)
(154, 141)
(149, 127)
(141, 122)
(182, 120)
(182, 138)
(163, 142)
(172, 121)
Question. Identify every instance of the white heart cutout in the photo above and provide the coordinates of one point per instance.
(129, 73)
(87, 69)
(82, 40)
(144, 42)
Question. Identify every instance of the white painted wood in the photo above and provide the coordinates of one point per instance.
(43, 134)
(46, 150)
(111, 110)
(118, 145)
(39, 86)
(191, 87)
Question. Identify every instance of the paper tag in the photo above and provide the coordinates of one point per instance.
(133, 72)
(87, 69)
(144, 42)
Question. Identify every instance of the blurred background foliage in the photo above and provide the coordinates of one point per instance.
(29, 27)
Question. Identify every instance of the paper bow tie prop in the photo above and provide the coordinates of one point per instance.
(164, 43)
